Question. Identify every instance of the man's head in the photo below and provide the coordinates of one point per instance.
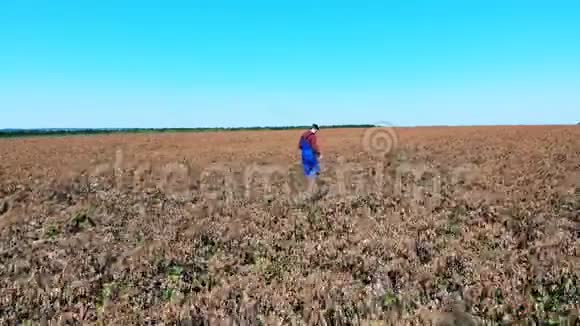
(315, 128)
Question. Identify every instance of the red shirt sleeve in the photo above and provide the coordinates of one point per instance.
(314, 143)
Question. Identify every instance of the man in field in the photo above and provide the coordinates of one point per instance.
(311, 154)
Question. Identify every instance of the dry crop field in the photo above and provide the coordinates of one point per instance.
(449, 226)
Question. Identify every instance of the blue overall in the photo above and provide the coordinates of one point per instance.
(309, 159)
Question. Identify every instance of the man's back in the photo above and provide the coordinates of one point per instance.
(308, 141)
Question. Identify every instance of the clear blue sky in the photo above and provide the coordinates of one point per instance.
(139, 63)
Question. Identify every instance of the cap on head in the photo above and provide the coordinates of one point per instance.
(315, 127)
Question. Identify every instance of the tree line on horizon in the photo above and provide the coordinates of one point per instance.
(90, 131)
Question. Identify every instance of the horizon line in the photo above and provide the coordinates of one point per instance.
(329, 126)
